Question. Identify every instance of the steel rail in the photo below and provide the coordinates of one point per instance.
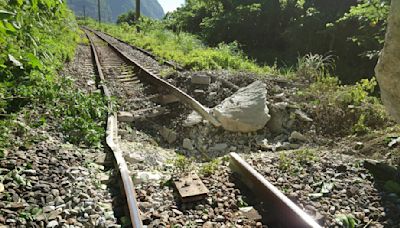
(154, 79)
(286, 211)
(174, 65)
(111, 133)
(148, 53)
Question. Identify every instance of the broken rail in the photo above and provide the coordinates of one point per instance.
(111, 132)
(287, 213)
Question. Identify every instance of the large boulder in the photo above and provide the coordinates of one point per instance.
(388, 68)
(244, 111)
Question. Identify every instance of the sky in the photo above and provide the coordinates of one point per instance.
(170, 5)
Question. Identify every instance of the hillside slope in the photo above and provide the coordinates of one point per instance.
(111, 9)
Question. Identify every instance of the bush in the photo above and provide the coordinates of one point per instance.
(344, 109)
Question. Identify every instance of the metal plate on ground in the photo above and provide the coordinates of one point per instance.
(191, 188)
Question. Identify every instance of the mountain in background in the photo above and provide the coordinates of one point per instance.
(111, 9)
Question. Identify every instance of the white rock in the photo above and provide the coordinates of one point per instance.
(52, 224)
(244, 111)
(388, 68)
(303, 116)
(245, 209)
(192, 119)
(187, 144)
(48, 209)
(91, 82)
(145, 177)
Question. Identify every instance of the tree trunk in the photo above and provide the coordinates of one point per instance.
(388, 67)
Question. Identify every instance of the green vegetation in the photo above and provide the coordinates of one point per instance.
(295, 161)
(182, 164)
(392, 186)
(346, 220)
(36, 38)
(210, 167)
(341, 109)
(182, 48)
(270, 30)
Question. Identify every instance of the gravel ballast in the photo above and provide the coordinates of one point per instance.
(328, 185)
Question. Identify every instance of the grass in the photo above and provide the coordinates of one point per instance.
(293, 162)
(209, 168)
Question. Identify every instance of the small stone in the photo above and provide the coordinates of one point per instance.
(103, 178)
(1, 188)
(125, 117)
(177, 212)
(11, 221)
(145, 177)
(199, 221)
(55, 192)
(297, 136)
(187, 144)
(219, 147)
(302, 116)
(145, 206)
(220, 218)
(201, 79)
(30, 172)
(54, 214)
(169, 135)
(52, 224)
(192, 119)
(48, 209)
(208, 225)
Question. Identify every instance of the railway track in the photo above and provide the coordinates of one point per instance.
(143, 95)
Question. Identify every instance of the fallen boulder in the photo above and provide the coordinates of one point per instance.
(244, 111)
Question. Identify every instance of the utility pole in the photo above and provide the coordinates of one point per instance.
(137, 10)
(84, 12)
(98, 9)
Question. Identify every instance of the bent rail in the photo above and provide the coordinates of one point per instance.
(111, 131)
